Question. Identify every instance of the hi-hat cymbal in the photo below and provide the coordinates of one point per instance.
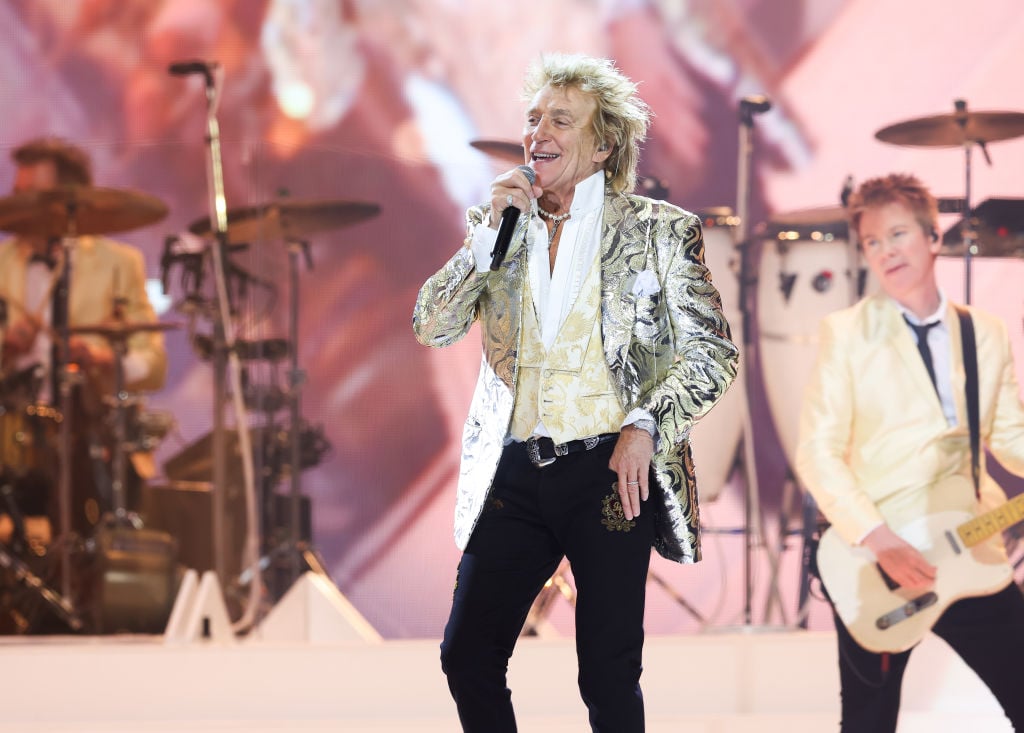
(77, 210)
(288, 220)
(117, 331)
(954, 129)
(501, 149)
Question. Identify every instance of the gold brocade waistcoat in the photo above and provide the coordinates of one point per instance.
(569, 388)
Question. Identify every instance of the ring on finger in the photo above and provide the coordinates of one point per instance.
(508, 200)
(632, 483)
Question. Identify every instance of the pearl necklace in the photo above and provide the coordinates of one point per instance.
(555, 219)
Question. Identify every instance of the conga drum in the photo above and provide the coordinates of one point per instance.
(716, 437)
(808, 268)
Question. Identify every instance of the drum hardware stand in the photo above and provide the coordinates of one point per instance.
(298, 551)
(22, 573)
(225, 359)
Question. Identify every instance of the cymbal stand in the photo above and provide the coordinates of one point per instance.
(968, 234)
(225, 358)
(296, 381)
(64, 376)
(121, 403)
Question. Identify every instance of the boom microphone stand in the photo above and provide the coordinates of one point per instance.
(225, 358)
(749, 106)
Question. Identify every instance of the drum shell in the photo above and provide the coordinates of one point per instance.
(805, 272)
(28, 437)
(715, 438)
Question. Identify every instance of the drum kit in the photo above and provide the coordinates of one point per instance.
(62, 543)
(779, 280)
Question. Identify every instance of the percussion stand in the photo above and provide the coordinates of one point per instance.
(749, 106)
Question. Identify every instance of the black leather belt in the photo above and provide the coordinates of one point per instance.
(543, 451)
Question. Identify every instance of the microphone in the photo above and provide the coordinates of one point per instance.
(185, 68)
(844, 195)
(507, 226)
(754, 104)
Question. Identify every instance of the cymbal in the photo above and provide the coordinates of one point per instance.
(92, 210)
(955, 129)
(288, 220)
(116, 331)
(501, 149)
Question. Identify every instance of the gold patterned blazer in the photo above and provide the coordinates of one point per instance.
(666, 342)
(874, 443)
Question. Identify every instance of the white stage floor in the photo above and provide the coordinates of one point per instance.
(741, 681)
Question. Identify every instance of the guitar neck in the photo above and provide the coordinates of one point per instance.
(981, 528)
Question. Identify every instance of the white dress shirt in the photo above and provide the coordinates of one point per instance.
(554, 292)
(942, 354)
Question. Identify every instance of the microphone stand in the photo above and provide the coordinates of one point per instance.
(749, 106)
(225, 358)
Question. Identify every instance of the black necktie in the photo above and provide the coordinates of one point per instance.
(921, 331)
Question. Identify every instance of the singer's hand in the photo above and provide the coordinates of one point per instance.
(515, 184)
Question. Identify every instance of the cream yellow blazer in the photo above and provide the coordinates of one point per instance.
(874, 444)
(102, 269)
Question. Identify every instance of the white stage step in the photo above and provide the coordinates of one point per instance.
(747, 682)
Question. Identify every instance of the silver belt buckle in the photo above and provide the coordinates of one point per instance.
(533, 450)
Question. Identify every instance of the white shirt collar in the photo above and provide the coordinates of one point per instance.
(589, 195)
(939, 314)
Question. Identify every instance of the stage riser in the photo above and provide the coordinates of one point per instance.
(713, 683)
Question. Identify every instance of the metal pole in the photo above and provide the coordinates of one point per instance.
(749, 106)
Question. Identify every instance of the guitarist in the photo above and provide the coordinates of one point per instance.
(884, 440)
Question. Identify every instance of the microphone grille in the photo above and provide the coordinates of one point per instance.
(530, 173)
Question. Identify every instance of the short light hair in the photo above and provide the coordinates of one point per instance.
(621, 118)
(72, 164)
(895, 188)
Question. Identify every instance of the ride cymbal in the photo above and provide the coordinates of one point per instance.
(954, 129)
(288, 220)
(74, 210)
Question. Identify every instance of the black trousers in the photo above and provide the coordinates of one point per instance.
(535, 516)
(988, 634)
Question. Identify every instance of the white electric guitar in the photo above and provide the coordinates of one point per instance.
(883, 617)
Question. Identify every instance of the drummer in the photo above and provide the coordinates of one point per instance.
(107, 283)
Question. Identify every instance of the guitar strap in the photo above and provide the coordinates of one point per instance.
(971, 386)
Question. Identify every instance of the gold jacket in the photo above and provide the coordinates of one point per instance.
(668, 348)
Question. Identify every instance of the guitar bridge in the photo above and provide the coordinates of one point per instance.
(907, 610)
